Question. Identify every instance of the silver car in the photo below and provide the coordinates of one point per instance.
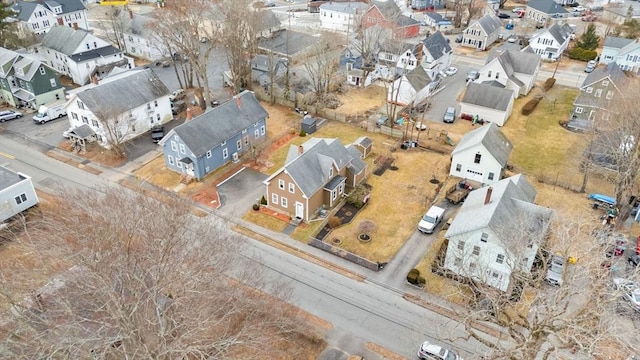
(449, 115)
(555, 271)
(9, 115)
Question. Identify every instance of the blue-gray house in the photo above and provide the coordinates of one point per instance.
(202, 145)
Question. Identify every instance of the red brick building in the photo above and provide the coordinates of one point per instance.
(388, 15)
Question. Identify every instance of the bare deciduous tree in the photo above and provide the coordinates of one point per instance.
(149, 281)
(367, 44)
(321, 68)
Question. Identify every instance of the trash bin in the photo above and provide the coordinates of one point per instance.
(595, 206)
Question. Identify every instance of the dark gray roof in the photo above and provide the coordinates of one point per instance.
(310, 171)
(613, 73)
(436, 45)
(560, 33)
(616, 42)
(83, 131)
(95, 53)
(491, 138)
(287, 42)
(488, 96)
(26, 8)
(8, 178)
(435, 16)
(127, 91)
(363, 141)
(267, 20)
(489, 23)
(512, 202)
(418, 78)
(219, 124)
(64, 39)
(547, 6)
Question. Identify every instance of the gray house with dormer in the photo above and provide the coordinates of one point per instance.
(542, 10)
(497, 232)
(598, 90)
(511, 69)
(215, 138)
(482, 32)
(38, 17)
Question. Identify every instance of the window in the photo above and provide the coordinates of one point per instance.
(489, 73)
(256, 134)
(88, 47)
(472, 266)
(283, 202)
(244, 131)
(500, 259)
(476, 250)
(42, 70)
(589, 90)
(292, 188)
(155, 103)
(461, 245)
(80, 104)
(274, 198)
(148, 106)
(246, 140)
(174, 146)
(95, 44)
(497, 75)
(334, 194)
(20, 198)
(158, 117)
(458, 167)
(490, 177)
(609, 94)
(223, 143)
(579, 110)
(239, 144)
(183, 149)
(331, 172)
(171, 162)
(457, 262)
(605, 83)
(208, 154)
(484, 237)
(525, 261)
(52, 82)
(281, 184)
(74, 116)
(94, 123)
(225, 153)
(262, 130)
(598, 93)
(85, 120)
(477, 159)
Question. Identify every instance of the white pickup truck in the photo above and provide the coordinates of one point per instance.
(50, 112)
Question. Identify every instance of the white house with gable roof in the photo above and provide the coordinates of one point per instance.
(342, 16)
(550, 43)
(38, 17)
(624, 52)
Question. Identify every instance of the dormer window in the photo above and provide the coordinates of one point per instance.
(330, 172)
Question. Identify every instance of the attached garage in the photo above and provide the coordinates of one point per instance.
(475, 175)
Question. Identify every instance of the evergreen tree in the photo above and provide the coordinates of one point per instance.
(5, 12)
(589, 40)
(8, 33)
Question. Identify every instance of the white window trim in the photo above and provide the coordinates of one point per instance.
(208, 154)
(579, 110)
(274, 198)
(292, 188)
(280, 184)
(171, 161)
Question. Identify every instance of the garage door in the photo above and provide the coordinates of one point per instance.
(475, 175)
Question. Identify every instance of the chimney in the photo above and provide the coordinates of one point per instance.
(189, 116)
(239, 102)
(300, 150)
(75, 26)
(487, 197)
(130, 14)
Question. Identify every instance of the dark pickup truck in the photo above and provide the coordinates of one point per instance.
(157, 133)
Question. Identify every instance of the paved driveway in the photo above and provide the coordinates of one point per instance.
(453, 86)
(240, 191)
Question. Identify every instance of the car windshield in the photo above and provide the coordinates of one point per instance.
(451, 356)
(40, 114)
(428, 219)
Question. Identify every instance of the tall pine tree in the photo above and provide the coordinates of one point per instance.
(589, 40)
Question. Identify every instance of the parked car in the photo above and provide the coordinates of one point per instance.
(177, 95)
(451, 71)
(449, 115)
(630, 292)
(589, 68)
(517, 10)
(430, 351)
(459, 38)
(9, 115)
(504, 16)
(512, 38)
(555, 271)
(177, 107)
(472, 75)
(430, 220)
(157, 133)
(67, 133)
(634, 260)
(579, 8)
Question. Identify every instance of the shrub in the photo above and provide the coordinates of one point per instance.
(357, 196)
(256, 207)
(413, 275)
(303, 133)
(263, 201)
(366, 227)
(548, 84)
(421, 281)
(528, 108)
(578, 53)
(334, 222)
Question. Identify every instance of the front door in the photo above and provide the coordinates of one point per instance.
(299, 210)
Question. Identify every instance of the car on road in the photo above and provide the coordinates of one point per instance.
(589, 68)
(555, 271)
(504, 16)
(430, 351)
(451, 71)
(9, 115)
(430, 220)
(449, 115)
(517, 10)
(634, 260)
(630, 292)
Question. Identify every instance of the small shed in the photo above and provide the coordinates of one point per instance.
(308, 124)
(364, 144)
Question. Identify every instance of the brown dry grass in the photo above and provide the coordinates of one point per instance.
(361, 100)
(265, 221)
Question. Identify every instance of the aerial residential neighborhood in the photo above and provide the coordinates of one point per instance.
(311, 179)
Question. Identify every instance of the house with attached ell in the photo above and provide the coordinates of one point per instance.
(552, 42)
(38, 17)
(26, 81)
(315, 176)
(488, 102)
(497, 233)
(481, 155)
(120, 107)
(221, 135)
(624, 52)
(79, 54)
(482, 33)
(512, 70)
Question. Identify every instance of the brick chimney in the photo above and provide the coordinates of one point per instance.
(75, 26)
(130, 14)
(300, 150)
(239, 102)
(189, 115)
(487, 197)
(94, 79)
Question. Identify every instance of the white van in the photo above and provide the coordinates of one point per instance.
(430, 220)
(50, 112)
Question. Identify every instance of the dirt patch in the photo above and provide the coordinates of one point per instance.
(386, 354)
(208, 196)
(358, 101)
(66, 160)
(95, 153)
(382, 164)
(346, 213)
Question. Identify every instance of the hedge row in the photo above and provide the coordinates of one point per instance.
(528, 108)
(582, 54)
